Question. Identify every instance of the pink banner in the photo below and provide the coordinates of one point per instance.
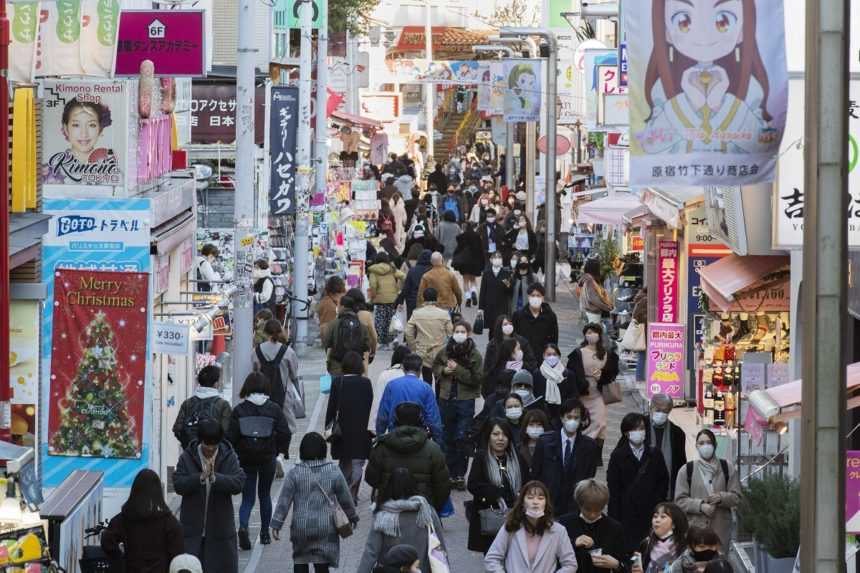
(153, 148)
(852, 492)
(172, 39)
(666, 347)
(667, 281)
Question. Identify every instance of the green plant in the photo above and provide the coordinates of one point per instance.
(350, 15)
(770, 511)
(608, 250)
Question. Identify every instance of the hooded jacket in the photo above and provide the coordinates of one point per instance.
(264, 286)
(221, 410)
(259, 405)
(409, 292)
(410, 448)
(385, 282)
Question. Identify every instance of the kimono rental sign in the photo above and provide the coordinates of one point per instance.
(283, 128)
(708, 90)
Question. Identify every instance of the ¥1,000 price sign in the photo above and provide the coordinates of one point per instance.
(171, 338)
(666, 366)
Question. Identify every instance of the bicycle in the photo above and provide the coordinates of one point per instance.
(93, 558)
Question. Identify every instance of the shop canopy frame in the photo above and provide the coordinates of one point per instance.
(722, 281)
(609, 210)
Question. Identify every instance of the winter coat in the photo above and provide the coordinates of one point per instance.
(511, 239)
(400, 217)
(493, 234)
(468, 256)
(519, 289)
(289, 375)
(539, 330)
(493, 370)
(439, 180)
(606, 533)
(447, 233)
(221, 410)
(385, 282)
(219, 552)
(468, 378)
(327, 312)
(427, 331)
(677, 445)
(494, 297)
(150, 543)
(576, 371)
(408, 388)
(690, 498)
(410, 448)
(640, 308)
(559, 478)
(312, 532)
(593, 297)
(330, 342)
(446, 285)
(349, 402)
(281, 436)
(635, 487)
(409, 290)
(509, 553)
(486, 494)
(407, 514)
(457, 198)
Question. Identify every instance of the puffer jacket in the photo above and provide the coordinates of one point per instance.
(385, 282)
(409, 447)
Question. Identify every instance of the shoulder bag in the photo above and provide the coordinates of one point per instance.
(493, 518)
(335, 434)
(341, 522)
(436, 555)
(634, 337)
(612, 393)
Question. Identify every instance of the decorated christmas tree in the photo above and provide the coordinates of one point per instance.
(94, 418)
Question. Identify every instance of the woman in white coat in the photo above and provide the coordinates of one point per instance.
(530, 541)
(398, 207)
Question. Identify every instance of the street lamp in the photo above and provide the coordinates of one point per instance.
(509, 130)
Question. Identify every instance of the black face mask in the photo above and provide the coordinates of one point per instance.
(707, 555)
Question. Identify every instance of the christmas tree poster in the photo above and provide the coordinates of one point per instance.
(98, 364)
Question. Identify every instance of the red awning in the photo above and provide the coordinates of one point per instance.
(357, 120)
(747, 284)
(444, 39)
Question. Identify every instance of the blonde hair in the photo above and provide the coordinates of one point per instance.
(591, 493)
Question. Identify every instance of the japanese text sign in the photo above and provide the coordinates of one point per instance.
(667, 281)
(171, 338)
(213, 112)
(283, 129)
(852, 491)
(666, 363)
(622, 64)
(174, 40)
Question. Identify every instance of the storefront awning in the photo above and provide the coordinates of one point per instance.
(782, 403)
(751, 283)
(358, 120)
(445, 40)
(668, 204)
(636, 215)
(609, 210)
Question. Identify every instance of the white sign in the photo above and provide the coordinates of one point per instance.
(169, 338)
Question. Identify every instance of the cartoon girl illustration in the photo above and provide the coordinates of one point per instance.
(706, 85)
(82, 124)
(522, 82)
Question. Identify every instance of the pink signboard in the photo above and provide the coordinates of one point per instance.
(852, 491)
(667, 281)
(172, 39)
(666, 348)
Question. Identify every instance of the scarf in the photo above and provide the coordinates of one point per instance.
(515, 365)
(709, 470)
(512, 469)
(460, 353)
(662, 554)
(208, 467)
(554, 377)
(387, 519)
(665, 447)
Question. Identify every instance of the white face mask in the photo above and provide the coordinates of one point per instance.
(497, 264)
(460, 337)
(552, 361)
(534, 432)
(535, 301)
(636, 437)
(706, 451)
(659, 418)
(570, 426)
(524, 394)
(514, 413)
(592, 338)
(534, 513)
(508, 329)
(491, 219)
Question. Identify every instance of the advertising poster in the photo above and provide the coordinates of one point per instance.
(213, 113)
(522, 90)
(59, 51)
(84, 135)
(497, 92)
(94, 235)
(709, 90)
(595, 82)
(283, 130)
(174, 40)
(98, 36)
(97, 393)
(568, 110)
(667, 281)
(22, 41)
(24, 369)
(852, 492)
(666, 360)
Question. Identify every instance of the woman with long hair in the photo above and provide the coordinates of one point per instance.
(498, 353)
(277, 353)
(551, 380)
(523, 278)
(146, 528)
(666, 542)
(534, 424)
(531, 540)
(593, 298)
(468, 260)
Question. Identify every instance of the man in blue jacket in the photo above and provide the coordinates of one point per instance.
(409, 388)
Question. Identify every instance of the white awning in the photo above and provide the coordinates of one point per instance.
(609, 210)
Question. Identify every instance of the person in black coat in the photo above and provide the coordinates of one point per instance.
(349, 405)
(437, 179)
(637, 479)
(497, 474)
(257, 463)
(536, 322)
(409, 290)
(655, 433)
(565, 457)
(552, 367)
(492, 236)
(495, 293)
(498, 354)
(468, 260)
(590, 530)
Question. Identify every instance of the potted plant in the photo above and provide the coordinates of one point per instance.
(770, 511)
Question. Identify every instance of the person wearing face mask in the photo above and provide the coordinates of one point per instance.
(522, 385)
(457, 370)
(703, 547)
(531, 540)
(479, 210)
(523, 279)
(708, 488)
(564, 458)
(665, 543)
(537, 323)
(533, 424)
(521, 237)
(205, 270)
(667, 436)
(264, 286)
(495, 478)
(637, 479)
(492, 236)
(497, 354)
(551, 381)
(495, 292)
(513, 409)
(596, 537)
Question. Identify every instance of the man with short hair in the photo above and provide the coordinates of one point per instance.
(205, 403)
(667, 437)
(427, 331)
(536, 322)
(448, 292)
(409, 388)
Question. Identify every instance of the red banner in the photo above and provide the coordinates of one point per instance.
(98, 364)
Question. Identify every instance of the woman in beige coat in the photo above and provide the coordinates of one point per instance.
(707, 489)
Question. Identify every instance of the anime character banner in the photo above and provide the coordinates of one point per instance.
(522, 90)
(708, 89)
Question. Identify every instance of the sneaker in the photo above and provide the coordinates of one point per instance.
(468, 302)
(264, 537)
(459, 483)
(244, 540)
(474, 298)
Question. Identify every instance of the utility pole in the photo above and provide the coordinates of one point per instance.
(429, 88)
(322, 100)
(825, 276)
(303, 179)
(243, 209)
(351, 105)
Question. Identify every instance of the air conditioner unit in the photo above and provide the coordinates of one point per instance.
(741, 217)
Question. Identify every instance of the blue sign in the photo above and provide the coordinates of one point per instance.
(622, 64)
(695, 316)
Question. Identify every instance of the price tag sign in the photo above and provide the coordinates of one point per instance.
(171, 338)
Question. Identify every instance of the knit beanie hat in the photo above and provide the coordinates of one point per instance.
(523, 377)
(186, 563)
(401, 555)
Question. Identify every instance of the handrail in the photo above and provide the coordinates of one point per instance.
(470, 120)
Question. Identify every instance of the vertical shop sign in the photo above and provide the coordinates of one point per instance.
(666, 360)
(852, 492)
(100, 20)
(283, 130)
(667, 281)
(622, 64)
(24, 369)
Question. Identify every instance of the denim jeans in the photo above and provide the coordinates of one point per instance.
(265, 474)
(456, 417)
(352, 471)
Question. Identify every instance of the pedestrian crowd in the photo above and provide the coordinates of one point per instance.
(528, 457)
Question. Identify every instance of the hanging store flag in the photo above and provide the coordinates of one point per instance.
(667, 281)
(60, 39)
(100, 23)
(522, 90)
(172, 39)
(709, 90)
(283, 130)
(665, 366)
(599, 64)
(22, 41)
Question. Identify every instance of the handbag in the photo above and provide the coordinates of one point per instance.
(493, 518)
(612, 393)
(341, 522)
(335, 434)
(298, 390)
(478, 326)
(436, 555)
(396, 324)
(634, 337)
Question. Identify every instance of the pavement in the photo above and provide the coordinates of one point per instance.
(278, 555)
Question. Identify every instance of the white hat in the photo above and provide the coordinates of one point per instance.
(521, 196)
(418, 231)
(186, 562)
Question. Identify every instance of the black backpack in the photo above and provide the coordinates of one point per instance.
(271, 369)
(198, 409)
(349, 338)
(724, 465)
(256, 439)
